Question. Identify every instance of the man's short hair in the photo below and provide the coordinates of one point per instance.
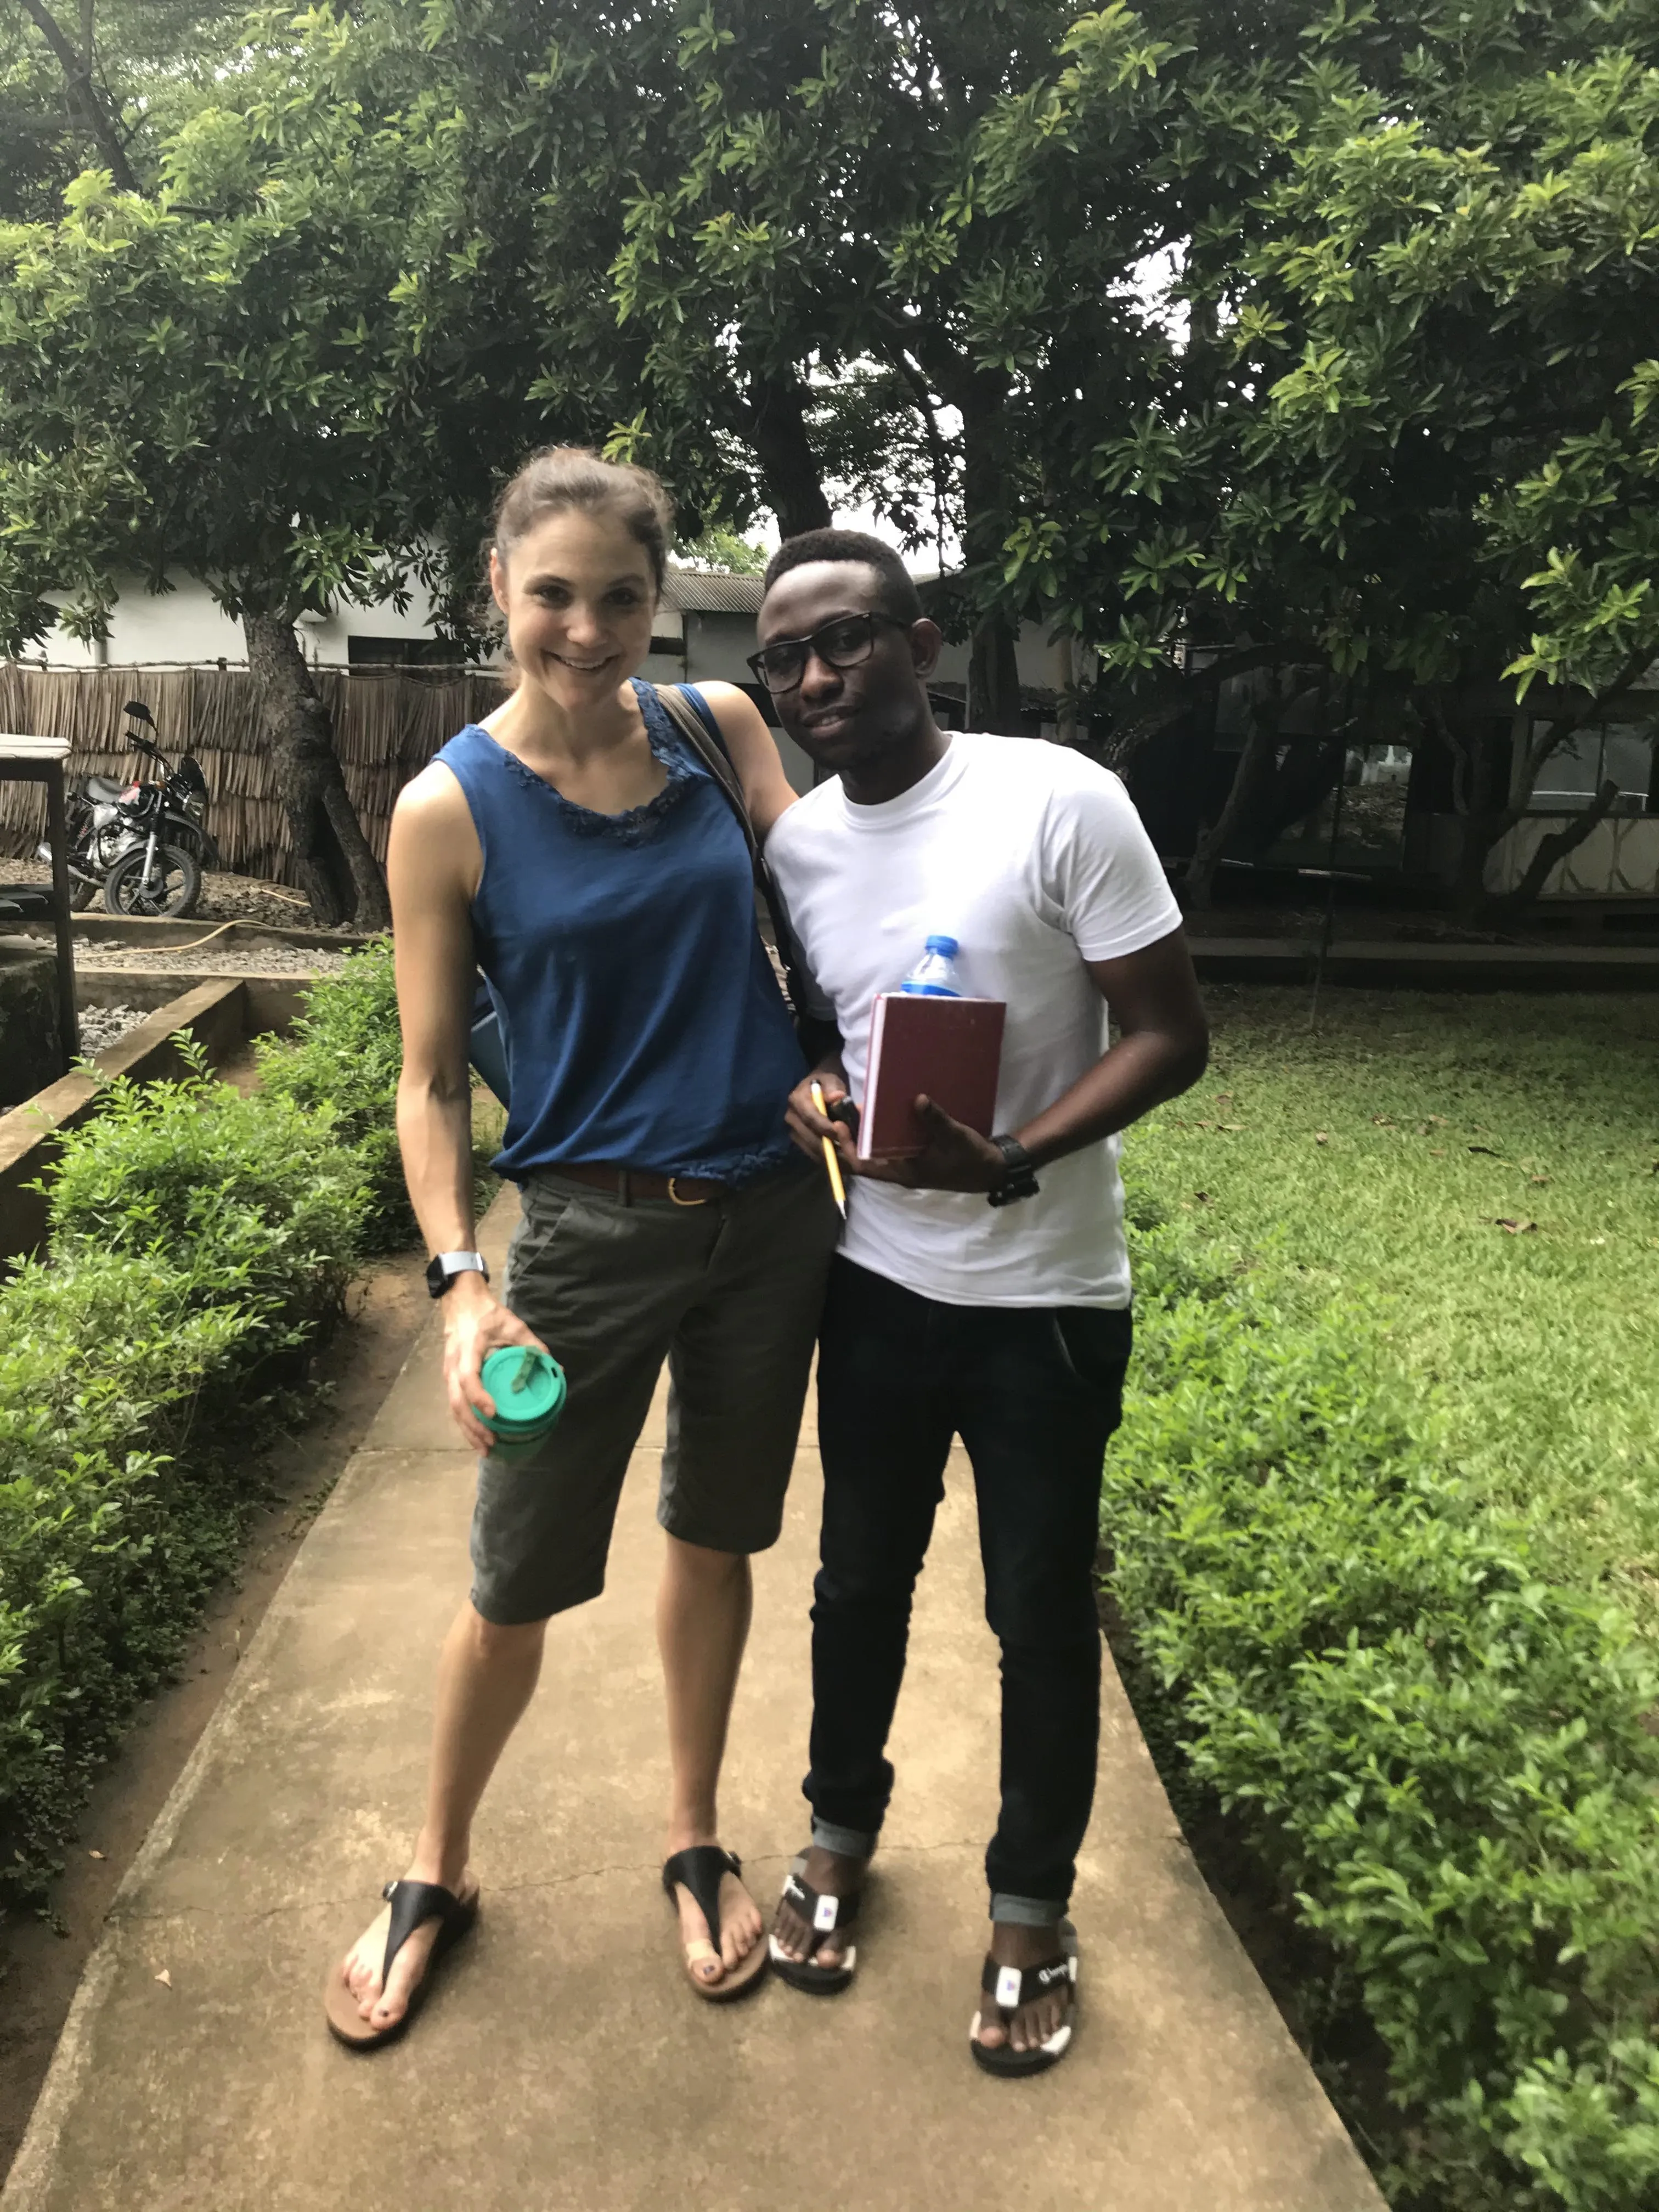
(899, 597)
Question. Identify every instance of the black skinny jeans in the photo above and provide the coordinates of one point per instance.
(1034, 1392)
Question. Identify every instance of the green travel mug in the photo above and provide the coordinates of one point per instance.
(529, 1390)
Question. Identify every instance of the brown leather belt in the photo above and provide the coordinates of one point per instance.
(629, 1183)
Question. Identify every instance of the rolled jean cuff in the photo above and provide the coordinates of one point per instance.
(1026, 1911)
(845, 1842)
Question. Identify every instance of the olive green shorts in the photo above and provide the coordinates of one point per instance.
(729, 1293)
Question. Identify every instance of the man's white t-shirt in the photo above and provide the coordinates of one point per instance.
(1034, 860)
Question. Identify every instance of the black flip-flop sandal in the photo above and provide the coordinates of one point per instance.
(413, 1904)
(700, 1870)
(1009, 1988)
(824, 1914)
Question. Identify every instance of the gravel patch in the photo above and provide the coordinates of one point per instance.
(103, 1026)
(211, 960)
(224, 897)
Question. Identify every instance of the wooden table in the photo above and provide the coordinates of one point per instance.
(40, 760)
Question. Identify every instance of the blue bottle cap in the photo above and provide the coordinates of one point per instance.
(947, 946)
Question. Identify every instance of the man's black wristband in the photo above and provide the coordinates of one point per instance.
(1019, 1176)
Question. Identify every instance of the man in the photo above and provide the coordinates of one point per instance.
(983, 1287)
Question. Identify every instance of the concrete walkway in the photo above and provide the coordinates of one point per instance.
(565, 2063)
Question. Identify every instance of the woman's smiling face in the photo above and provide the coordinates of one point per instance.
(579, 595)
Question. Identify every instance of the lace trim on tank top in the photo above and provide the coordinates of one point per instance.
(638, 824)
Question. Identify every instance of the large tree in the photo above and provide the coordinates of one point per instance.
(100, 83)
(1286, 342)
(771, 241)
(825, 234)
(1400, 458)
(216, 378)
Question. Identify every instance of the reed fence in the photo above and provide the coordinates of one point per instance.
(388, 722)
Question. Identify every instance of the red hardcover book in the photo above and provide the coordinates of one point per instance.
(948, 1049)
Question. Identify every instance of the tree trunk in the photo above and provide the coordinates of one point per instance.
(337, 872)
(1478, 833)
(83, 92)
(993, 696)
(777, 425)
(993, 678)
(1289, 791)
(1066, 686)
(1198, 883)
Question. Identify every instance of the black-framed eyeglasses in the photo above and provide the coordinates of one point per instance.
(842, 643)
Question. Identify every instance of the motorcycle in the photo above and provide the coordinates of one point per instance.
(145, 843)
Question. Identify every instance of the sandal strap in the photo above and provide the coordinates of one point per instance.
(823, 1913)
(413, 1904)
(702, 1868)
(1009, 1987)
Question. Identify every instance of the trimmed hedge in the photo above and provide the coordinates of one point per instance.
(199, 1241)
(346, 1054)
(257, 1200)
(105, 1545)
(1440, 1755)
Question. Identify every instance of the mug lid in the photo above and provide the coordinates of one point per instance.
(528, 1387)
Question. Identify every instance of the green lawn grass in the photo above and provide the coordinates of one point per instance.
(1377, 1154)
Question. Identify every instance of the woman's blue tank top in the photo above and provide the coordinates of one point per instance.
(643, 1019)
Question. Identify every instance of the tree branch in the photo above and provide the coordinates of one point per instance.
(1554, 848)
(1461, 756)
(1260, 747)
(938, 453)
(84, 95)
(1123, 744)
(1563, 726)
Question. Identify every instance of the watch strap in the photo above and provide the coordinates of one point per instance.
(443, 1267)
(1020, 1181)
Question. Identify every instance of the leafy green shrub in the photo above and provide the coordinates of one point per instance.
(1440, 1754)
(197, 1239)
(346, 1055)
(105, 1542)
(256, 1200)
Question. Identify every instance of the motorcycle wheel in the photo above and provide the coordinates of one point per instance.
(173, 890)
(82, 895)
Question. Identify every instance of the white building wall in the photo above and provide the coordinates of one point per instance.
(183, 627)
(715, 649)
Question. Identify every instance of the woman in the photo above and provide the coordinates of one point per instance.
(575, 848)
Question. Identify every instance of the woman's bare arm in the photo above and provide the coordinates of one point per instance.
(767, 790)
(431, 875)
(433, 867)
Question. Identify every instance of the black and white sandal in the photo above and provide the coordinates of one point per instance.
(824, 1914)
(1009, 1989)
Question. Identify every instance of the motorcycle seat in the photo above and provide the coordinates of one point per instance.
(103, 790)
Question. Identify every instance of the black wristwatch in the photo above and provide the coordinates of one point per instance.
(1020, 1180)
(442, 1271)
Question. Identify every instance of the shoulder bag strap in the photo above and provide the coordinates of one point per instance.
(695, 721)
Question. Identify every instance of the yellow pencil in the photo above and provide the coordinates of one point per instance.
(831, 1157)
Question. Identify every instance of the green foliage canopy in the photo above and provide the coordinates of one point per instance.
(200, 380)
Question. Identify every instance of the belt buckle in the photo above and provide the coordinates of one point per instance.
(677, 1199)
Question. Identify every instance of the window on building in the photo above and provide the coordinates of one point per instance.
(1620, 753)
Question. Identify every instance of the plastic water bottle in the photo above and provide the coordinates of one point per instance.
(934, 976)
